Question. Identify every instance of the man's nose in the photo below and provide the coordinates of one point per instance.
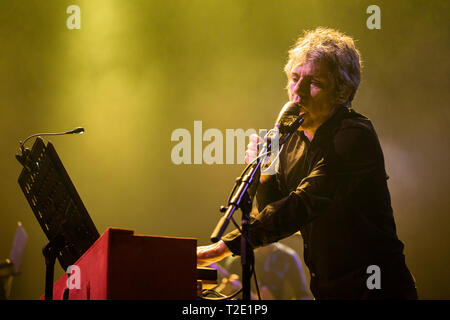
(300, 88)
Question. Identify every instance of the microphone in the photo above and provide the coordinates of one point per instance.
(288, 115)
(288, 121)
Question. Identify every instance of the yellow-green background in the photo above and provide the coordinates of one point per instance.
(137, 70)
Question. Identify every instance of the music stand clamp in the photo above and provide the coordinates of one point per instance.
(57, 207)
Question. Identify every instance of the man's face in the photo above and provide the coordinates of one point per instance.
(312, 87)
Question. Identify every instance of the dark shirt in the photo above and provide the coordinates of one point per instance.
(334, 190)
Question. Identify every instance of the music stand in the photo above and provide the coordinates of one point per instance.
(58, 208)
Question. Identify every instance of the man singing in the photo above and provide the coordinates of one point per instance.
(330, 183)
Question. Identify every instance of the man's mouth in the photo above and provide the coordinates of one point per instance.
(303, 110)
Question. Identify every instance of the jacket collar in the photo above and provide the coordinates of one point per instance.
(327, 127)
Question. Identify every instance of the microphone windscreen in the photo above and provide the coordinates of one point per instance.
(289, 111)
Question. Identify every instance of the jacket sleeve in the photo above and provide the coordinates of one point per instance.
(353, 157)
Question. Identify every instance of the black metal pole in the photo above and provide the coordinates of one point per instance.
(246, 248)
(50, 258)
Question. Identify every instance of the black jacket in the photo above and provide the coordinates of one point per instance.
(334, 190)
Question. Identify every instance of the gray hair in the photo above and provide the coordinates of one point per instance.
(334, 48)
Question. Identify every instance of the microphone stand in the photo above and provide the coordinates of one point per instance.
(241, 199)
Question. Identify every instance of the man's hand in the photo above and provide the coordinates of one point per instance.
(252, 148)
(212, 253)
(252, 152)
